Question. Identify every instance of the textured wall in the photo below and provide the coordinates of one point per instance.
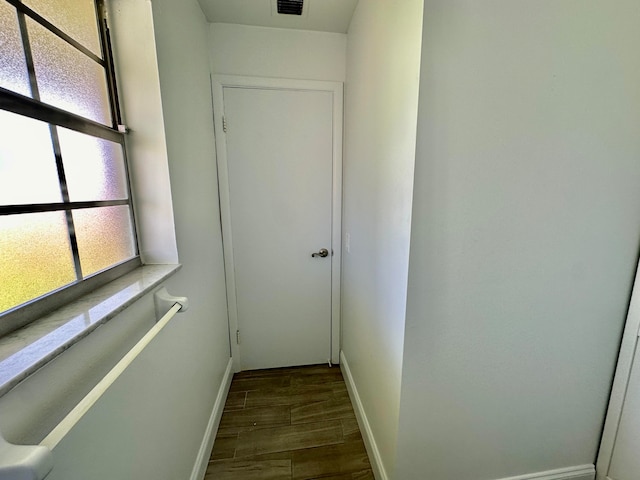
(525, 232)
(277, 52)
(381, 97)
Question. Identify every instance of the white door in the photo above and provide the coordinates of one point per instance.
(279, 156)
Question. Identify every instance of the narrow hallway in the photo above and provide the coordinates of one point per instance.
(289, 423)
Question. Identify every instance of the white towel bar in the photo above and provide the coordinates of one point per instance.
(34, 462)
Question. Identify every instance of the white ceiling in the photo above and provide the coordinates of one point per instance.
(319, 15)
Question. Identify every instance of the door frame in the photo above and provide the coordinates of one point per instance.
(218, 83)
(628, 351)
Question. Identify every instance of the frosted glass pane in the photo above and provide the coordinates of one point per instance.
(105, 237)
(76, 18)
(28, 171)
(94, 168)
(13, 67)
(35, 257)
(67, 78)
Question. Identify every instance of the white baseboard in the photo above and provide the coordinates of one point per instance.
(370, 444)
(581, 472)
(202, 460)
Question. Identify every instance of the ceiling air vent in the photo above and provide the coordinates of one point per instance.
(290, 7)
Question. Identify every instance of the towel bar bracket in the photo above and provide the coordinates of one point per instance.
(24, 462)
(164, 301)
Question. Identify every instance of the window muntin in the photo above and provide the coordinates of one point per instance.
(77, 18)
(65, 207)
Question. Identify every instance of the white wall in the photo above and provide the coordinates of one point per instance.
(275, 52)
(151, 422)
(181, 34)
(383, 63)
(188, 111)
(525, 233)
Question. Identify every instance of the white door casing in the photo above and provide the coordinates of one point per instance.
(617, 457)
(262, 260)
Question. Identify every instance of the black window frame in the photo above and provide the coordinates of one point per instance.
(32, 107)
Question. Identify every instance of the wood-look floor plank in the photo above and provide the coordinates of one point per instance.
(301, 370)
(244, 384)
(235, 400)
(347, 458)
(294, 437)
(267, 372)
(289, 395)
(350, 426)
(249, 470)
(342, 396)
(316, 369)
(364, 475)
(255, 418)
(333, 375)
(270, 456)
(339, 387)
(320, 411)
(224, 447)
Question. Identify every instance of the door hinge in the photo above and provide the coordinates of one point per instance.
(224, 124)
(238, 337)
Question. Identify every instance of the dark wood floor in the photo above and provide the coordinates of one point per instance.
(290, 423)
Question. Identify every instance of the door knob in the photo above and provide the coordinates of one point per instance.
(322, 253)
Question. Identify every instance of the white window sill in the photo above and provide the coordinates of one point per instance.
(26, 350)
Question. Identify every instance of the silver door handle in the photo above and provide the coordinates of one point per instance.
(322, 253)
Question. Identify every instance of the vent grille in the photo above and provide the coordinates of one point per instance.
(290, 7)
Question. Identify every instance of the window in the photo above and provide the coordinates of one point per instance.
(66, 218)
